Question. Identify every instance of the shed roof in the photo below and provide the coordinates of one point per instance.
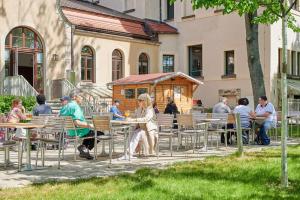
(153, 78)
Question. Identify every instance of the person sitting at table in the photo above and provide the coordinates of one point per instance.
(222, 107)
(156, 110)
(144, 134)
(17, 112)
(117, 115)
(171, 107)
(84, 129)
(265, 109)
(42, 107)
(245, 113)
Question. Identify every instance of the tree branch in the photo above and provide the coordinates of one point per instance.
(290, 8)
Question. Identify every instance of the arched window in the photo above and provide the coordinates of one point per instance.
(143, 64)
(24, 55)
(117, 65)
(87, 64)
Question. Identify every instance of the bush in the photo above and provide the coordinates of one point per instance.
(5, 103)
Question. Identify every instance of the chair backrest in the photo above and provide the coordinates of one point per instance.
(69, 123)
(55, 124)
(48, 115)
(185, 121)
(223, 118)
(165, 120)
(198, 116)
(40, 120)
(101, 123)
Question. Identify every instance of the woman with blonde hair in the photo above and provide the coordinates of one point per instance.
(146, 132)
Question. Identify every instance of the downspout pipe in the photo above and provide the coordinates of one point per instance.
(160, 11)
(67, 22)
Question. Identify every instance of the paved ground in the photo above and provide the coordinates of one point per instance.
(71, 170)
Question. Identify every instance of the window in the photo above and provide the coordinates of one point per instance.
(195, 61)
(117, 65)
(170, 10)
(168, 63)
(143, 64)
(87, 64)
(298, 63)
(293, 63)
(229, 63)
(141, 91)
(23, 38)
(130, 93)
(279, 60)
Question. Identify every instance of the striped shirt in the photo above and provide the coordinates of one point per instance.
(244, 115)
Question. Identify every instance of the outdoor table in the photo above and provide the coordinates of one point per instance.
(254, 120)
(27, 127)
(206, 120)
(131, 123)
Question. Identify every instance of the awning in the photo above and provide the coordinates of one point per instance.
(293, 86)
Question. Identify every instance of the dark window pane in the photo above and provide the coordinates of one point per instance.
(117, 65)
(168, 63)
(130, 93)
(141, 91)
(195, 61)
(229, 63)
(17, 32)
(143, 64)
(89, 74)
(17, 42)
(170, 10)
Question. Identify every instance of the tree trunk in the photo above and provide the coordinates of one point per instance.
(284, 128)
(255, 68)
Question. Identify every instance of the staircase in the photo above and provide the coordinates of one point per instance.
(55, 105)
(18, 86)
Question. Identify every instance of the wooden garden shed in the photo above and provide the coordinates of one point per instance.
(160, 86)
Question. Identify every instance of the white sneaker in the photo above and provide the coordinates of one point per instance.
(126, 157)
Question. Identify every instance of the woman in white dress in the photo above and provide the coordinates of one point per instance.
(146, 132)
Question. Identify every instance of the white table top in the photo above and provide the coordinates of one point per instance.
(127, 122)
(208, 120)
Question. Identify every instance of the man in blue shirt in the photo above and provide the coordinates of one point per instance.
(42, 108)
(117, 115)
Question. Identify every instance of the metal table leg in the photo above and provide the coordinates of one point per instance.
(28, 151)
(6, 149)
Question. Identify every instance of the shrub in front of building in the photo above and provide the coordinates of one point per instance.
(6, 100)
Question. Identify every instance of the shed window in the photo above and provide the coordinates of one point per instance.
(130, 93)
(141, 91)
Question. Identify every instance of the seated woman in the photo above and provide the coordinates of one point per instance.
(17, 112)
(245, 113)
(145, 133)
(16, 115)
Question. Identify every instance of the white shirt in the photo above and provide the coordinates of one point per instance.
(244, 115)
(260, 110)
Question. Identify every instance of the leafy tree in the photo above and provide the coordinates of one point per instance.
(272, 11)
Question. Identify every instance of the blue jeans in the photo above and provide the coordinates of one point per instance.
(262, 135)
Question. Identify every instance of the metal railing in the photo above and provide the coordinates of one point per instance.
(18, 86)
(293, 107)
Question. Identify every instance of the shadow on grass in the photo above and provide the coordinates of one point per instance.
(261, 170)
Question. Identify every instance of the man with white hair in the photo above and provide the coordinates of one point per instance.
(222, 106)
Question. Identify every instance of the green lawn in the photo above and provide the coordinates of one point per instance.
(255, 176)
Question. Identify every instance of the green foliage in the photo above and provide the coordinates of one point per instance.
(6, 101)
(273, 10)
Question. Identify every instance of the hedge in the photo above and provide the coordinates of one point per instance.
(5, 103)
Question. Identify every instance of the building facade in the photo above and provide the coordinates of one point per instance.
(44, 41)
(96, 42)
(211, 46)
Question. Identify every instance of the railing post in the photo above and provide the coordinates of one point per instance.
(239, 134)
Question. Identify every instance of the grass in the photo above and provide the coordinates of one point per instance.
(254, 176)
